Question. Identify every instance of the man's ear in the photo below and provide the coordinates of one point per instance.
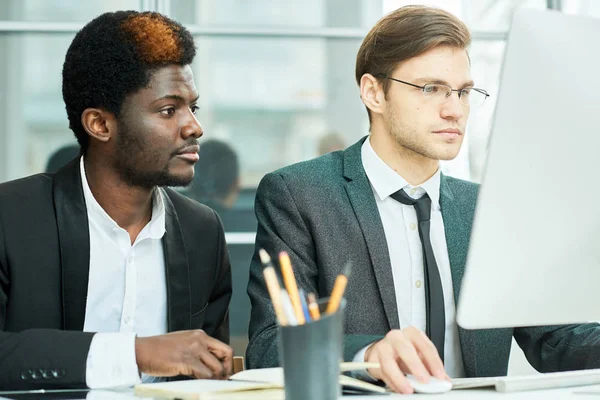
(99, 124)
(371, 93)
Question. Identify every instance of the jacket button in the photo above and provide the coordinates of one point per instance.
(24, 375)
(35, 375)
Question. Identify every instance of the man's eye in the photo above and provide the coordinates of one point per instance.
(465, 92)
(168, 111)
(194, 109)
(430, 88)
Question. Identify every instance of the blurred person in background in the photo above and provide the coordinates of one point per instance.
(61, 157)
(217, 185)
(333, 141)
(217, 175)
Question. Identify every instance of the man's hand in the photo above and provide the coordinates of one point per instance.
(190, 353)
(403, 352)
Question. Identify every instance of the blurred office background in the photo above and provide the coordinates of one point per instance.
(276, 84)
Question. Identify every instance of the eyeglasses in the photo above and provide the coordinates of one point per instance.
(439, 92)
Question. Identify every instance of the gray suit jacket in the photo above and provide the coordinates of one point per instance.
(323, 213)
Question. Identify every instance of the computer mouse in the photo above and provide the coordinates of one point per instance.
(432, 387)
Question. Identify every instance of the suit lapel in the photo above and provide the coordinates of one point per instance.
(457, 214)
(363, 202)
(74, 240)
(176, 269)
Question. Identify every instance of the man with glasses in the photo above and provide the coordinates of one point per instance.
(384, 205)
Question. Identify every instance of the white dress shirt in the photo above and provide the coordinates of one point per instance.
(126, 292)
(406, 254)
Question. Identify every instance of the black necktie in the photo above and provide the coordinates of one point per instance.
(434, 294)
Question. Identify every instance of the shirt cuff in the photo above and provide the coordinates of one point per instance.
(111, 361)
(362, 373)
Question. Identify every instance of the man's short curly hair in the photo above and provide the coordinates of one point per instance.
(113, 56)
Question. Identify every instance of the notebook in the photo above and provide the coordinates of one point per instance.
(206, 389)
(266, 383)
(275, 376)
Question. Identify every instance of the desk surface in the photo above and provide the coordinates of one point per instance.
(582, 392)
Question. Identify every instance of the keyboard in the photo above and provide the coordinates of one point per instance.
(549, 380)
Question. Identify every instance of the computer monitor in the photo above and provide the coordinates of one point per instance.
(534, 256)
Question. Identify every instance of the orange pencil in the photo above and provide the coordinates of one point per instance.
(338, 290)
(273, 286)
(313, 307)
(290, 283)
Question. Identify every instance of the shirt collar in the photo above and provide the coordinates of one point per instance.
(156, 226)
(385, 181)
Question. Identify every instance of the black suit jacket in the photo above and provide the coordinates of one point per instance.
(44, 266)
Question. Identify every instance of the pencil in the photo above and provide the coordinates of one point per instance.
(273, 286)
(290, 284)
(313, 307)
(287, 307)
(338, 289)
(304, 305)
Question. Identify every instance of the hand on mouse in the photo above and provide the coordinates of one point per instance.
(403, 352)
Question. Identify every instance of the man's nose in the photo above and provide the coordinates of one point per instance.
(191, 126)
(453, 107)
